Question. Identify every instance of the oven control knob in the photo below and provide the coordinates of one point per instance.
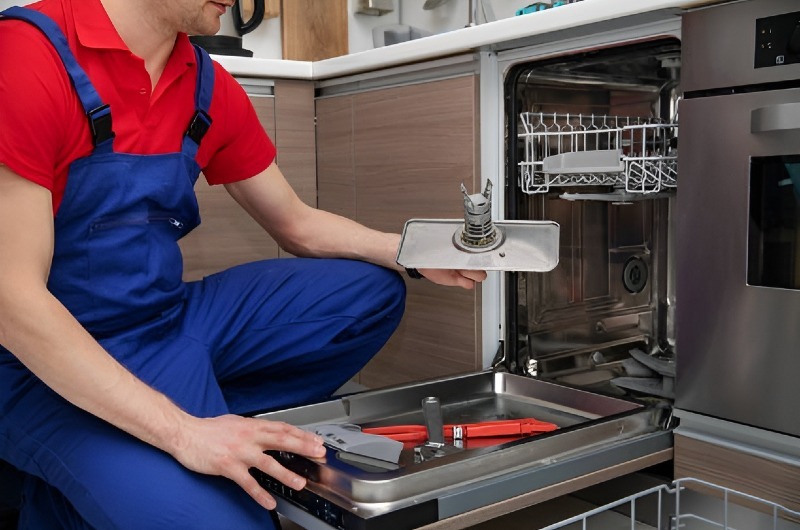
(794, 41)
(634, 275)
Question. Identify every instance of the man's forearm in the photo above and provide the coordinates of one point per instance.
(324, 234)
(307, 231)
(47, 339)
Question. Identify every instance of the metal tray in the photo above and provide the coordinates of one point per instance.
(594, 432)
(524, 246)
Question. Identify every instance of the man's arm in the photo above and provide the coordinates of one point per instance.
(306, 231)
(47, 339)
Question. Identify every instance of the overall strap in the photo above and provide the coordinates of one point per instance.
(204, 89)
(98, 113)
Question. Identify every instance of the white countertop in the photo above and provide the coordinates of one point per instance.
(453, 42)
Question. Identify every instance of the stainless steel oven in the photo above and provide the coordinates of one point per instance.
(739, 222)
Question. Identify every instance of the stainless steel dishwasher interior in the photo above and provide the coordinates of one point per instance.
(613, 290)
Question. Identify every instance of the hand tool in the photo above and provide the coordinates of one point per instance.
(484, 429)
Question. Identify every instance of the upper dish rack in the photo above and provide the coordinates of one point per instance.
(637, 154)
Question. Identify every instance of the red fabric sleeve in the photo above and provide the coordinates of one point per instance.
(37, 102)
(243, 147)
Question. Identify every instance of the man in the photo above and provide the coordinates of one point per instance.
(121, 386)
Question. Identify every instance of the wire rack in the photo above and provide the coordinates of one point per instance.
(645, 149)
(669, 514)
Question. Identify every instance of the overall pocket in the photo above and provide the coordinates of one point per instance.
(135, 267)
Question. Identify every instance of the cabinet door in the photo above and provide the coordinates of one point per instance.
(764, 474)
(392, 154)
(228, 236)
(295, 138)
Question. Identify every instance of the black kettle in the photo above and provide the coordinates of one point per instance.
(233, 25)
(243, 27)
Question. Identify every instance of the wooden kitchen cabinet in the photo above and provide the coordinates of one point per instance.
(382, 156)
(762, 475)
(313, 30)
(227, 235)
(391, 154)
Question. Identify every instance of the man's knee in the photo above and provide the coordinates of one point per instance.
(386, 288)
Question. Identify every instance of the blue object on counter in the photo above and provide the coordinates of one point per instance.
(539, 6)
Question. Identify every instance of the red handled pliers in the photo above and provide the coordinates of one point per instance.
(484, 429)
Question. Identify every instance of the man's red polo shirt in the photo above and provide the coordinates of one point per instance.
(43, 127)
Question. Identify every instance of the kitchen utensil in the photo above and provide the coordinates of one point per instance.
(389, 34)
(374, 7)
(233, 25)
(433, 4)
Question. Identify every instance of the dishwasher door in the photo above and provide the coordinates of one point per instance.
(595, 433)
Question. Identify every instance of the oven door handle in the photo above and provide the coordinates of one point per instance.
(784, 117)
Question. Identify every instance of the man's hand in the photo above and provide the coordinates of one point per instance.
(230, 445)
(460, 278)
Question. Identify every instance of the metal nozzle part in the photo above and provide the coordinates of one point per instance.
(479, 232)
(432, 412)
(435, 447)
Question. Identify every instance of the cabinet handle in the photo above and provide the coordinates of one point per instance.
(783, 117)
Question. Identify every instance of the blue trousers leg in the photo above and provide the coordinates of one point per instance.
(263, 335)
(88, 474)
(291, 331)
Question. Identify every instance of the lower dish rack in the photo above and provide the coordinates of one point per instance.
(670, 507)
(638, 155)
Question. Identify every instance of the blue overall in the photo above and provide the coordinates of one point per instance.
(262, 335)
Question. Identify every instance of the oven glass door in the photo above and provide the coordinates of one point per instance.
(774, 228)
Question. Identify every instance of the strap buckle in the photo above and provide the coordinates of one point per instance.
(100, 124)
(199, 125)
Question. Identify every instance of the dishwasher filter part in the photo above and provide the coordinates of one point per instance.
(479, 243)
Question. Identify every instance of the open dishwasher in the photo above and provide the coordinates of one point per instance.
(591, 144)
(589, 133)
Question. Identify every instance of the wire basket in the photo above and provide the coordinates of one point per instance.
(671, 512)
(562, 150)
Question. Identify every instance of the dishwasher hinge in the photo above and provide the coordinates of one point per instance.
(500, 363)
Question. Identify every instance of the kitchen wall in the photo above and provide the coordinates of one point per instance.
(265, 41)
(8, 3)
